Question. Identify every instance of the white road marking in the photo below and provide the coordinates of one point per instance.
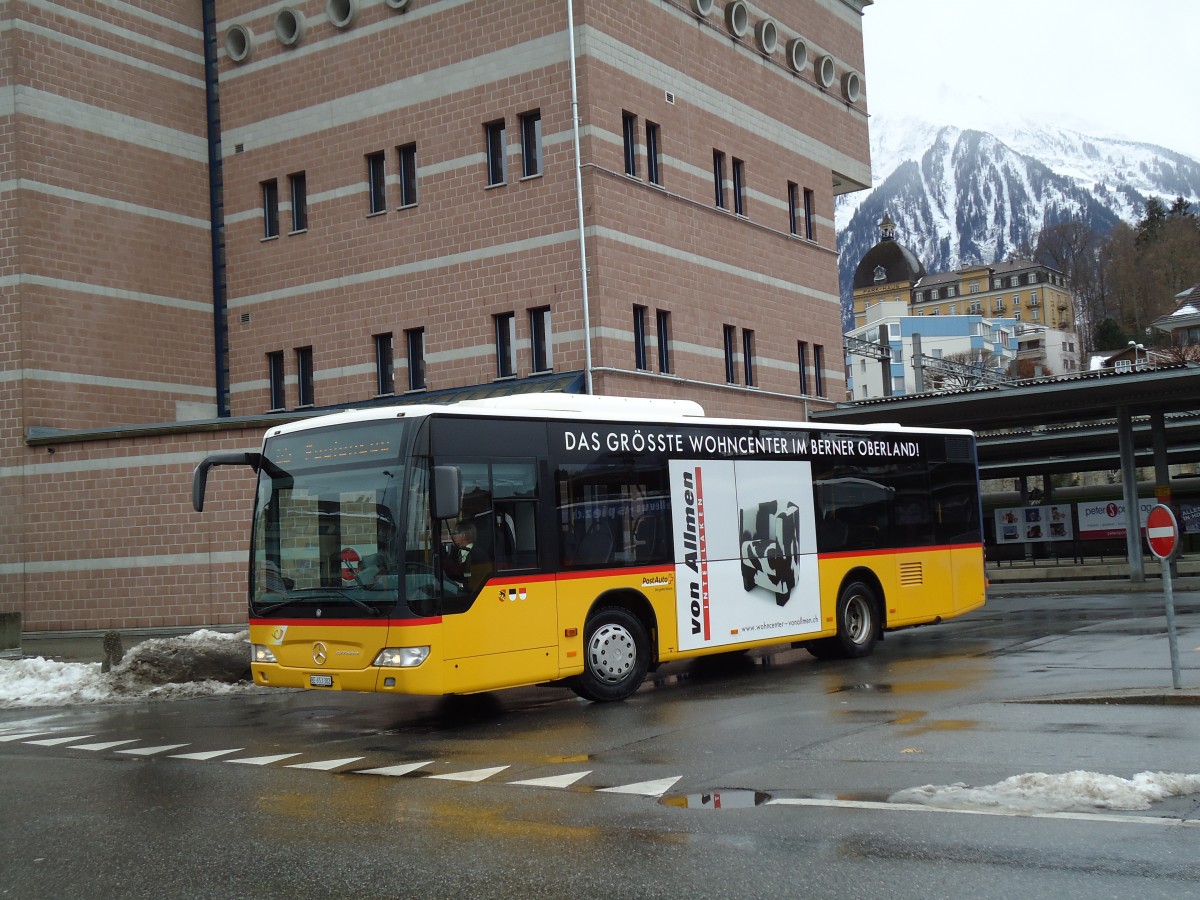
(206, 754)
(103, 745)
(262, 760)
(402, 769)
(151, 751)
(1012, 813)
(644, 788)
(473, 775)
(54, 742)
(21, 737)
(554, 781)
(325, 765)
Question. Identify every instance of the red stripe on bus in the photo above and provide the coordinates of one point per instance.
(896, 551)
(348, 623)
(613, 572)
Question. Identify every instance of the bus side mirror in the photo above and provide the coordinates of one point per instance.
(447, 492)
(200, 475)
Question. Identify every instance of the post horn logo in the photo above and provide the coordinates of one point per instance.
(320, 653)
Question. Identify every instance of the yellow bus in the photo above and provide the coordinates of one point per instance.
(587, 540)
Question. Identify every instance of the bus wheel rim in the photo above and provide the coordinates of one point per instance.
(612, 653)
(858, 619)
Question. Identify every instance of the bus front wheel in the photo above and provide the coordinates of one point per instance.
(616, 656)
(858, 625)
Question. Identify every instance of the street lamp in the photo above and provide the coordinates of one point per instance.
(1136, 347)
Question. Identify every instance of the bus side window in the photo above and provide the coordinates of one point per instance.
(613, 514)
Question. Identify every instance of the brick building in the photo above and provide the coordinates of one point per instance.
(335, 203)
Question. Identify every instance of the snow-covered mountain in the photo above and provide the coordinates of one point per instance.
(963, 195)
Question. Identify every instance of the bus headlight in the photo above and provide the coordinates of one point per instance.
(261, 654)
(402, 657)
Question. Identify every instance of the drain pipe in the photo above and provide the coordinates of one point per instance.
(216, 211)
(587, 321)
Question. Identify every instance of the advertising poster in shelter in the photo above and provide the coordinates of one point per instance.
(1028, 524)
(1106, 518)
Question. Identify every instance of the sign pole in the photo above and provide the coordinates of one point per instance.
(1162, 534)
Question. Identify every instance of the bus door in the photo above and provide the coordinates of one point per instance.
(499, 611)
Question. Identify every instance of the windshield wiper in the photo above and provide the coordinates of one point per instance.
(308, 594)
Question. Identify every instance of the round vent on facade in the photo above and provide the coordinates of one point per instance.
(397, 4)
(826, 71)
(851, 86)
(737, 18)
(239, 43)
(702, 7)
(767, 35)
(342, 12)
(797, 54)
(289, 26)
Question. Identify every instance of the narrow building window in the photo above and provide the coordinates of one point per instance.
(414, 338)
(730, 354)
(270, 202)
(748, 356)
(719, 177)
(663, 321)
(298, 182)
(629, 136)
(531, 144)
(497, 171)
(809, 229)
(275, 380)
(653, 154)
(739, 187)
(819, 369)
(506, 345)
(376, 189)
(408, 174)
(540, 338)
(384, 378)
(304, 376)
(793, 192)
(639, 338)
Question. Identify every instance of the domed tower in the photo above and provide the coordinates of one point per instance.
(887, 271)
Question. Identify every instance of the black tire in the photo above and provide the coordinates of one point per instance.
(859, 625)
(616, 656)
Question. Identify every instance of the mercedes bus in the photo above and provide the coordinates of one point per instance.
(585, 541)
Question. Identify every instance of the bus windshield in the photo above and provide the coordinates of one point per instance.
(326, 540)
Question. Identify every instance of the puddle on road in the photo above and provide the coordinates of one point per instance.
(716, 800)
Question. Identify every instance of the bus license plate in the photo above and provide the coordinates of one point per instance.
(320, 681)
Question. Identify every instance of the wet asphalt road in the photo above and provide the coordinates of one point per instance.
(272, 795)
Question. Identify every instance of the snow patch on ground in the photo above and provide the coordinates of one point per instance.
(40, 682)
(1076, 791)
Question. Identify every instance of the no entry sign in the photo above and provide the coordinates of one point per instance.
(1162, 531)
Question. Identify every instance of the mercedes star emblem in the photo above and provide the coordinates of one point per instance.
(320, 653)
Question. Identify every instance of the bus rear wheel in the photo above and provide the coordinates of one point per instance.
(616, 656)
(858, 625)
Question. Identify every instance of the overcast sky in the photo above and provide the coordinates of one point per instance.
(1113, 68)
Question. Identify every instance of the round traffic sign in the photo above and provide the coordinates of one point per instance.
(350, 561)
(1162, 532)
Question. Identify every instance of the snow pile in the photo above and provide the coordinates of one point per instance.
(1069, 792)
(38, 682)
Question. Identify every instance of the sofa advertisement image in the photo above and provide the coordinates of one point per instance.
(745, 550)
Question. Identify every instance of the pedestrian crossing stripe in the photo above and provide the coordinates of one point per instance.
(554, 781)
(474, 775)
(326, 765)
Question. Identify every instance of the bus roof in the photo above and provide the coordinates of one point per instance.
(558, 406)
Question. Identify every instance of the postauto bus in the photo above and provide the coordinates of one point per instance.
(586, 540)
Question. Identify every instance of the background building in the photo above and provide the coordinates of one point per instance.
(220, 214)
(956, 352)
(1030, 302)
